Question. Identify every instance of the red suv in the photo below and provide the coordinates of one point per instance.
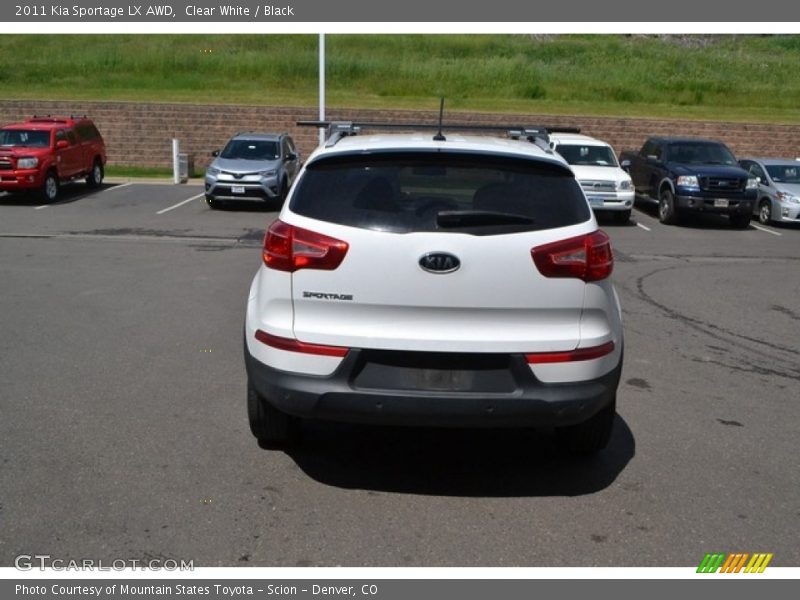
(44, 152)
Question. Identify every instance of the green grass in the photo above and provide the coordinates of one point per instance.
(709, 77)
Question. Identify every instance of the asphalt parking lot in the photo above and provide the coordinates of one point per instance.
(124, 430)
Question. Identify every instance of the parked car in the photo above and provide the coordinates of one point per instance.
(41, 153)
(594, 162)
(432, 280)
(778, 188)
(688, 175)
(252, 166)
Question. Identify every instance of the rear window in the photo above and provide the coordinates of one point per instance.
(448, 192)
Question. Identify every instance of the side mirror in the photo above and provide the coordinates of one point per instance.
(61, 144)
(625, 164)
(215, 153)
(291, 156)
(652, 158)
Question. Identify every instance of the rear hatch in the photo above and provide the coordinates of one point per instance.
(437, 252)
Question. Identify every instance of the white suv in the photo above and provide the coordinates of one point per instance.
(606, 185)
(418, 280)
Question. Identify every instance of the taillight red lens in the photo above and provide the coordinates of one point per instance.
(537, 358)
(587, 257)
(293, 345)
(290, 248)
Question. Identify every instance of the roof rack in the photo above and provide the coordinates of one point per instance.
(538, 135)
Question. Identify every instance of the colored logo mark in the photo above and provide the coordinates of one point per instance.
(740, 562)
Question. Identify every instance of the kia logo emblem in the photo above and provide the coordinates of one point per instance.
(439, 262)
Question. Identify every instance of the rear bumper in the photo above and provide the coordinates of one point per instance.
(348, 396)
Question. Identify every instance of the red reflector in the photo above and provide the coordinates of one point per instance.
(586, 257)
(282, 343)
(290, 248)
(538, 358)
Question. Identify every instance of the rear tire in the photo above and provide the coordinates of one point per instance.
(50, 187)
(622, 217)
(589, 437)
(739, 221)
(765, 212)
(667, 212)
(95, 177)
(272, 428)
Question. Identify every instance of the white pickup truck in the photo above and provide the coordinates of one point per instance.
(606, 185)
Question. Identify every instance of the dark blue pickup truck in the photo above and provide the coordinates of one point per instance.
(685, 175)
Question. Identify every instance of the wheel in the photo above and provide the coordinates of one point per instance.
(272, 428)
(740, 221)
(667, 213)
(212, 203)
(50, 187)
(765, 212)
(590, 436)
(283, 194)
(622, 217)
(95, 177)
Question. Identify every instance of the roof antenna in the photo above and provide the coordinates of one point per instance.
(439, 137)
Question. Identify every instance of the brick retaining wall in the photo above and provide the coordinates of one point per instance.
(140, 134)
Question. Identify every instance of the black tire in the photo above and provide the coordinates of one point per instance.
(765, 212)
(95, 177)
(283, 194)
(50, 187)
(622, 217)
(212, 203)
(739, 221)
(667, 212)
(589, 437)
(272, 428)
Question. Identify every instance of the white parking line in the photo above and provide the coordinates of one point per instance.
(117, 187)
(765, 229)
(41, 207)
(181, 203)
(645, 227)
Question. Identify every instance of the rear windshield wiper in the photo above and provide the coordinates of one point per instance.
(479, 218)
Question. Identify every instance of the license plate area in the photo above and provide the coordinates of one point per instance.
(237, 189)
(721, 203)
(595, 201)
(434, 372)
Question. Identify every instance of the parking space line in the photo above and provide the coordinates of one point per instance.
(765, 229)
(181, 203)
(117, 187)
(645, 227)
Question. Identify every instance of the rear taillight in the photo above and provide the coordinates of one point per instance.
(578, 354)
(290, 248)
(587, 257)
(293, 345)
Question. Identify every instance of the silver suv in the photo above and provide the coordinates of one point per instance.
(252, 166)
(432, 280)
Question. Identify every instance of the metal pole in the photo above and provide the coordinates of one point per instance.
(321, 86)
(176, 167)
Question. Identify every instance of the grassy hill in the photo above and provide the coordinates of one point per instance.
(753, 78)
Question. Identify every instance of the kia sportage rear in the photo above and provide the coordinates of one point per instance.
(428, 282)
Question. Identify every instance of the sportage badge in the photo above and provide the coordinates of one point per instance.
(439, 262)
